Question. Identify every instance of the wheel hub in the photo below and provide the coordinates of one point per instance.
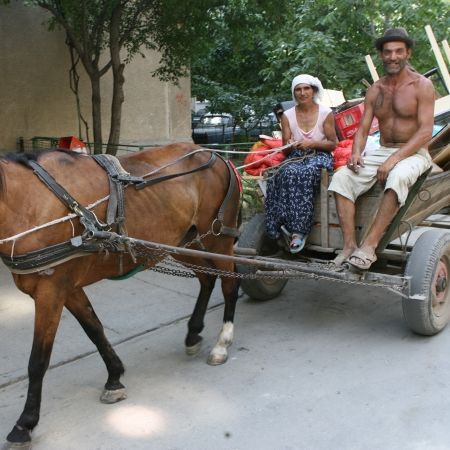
(441, 283)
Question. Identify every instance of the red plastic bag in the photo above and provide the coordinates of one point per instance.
(255, 158)
(341, 153)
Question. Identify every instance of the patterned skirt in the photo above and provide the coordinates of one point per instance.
(291, 192)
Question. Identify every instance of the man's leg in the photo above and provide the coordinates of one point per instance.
(388, 209)
(364, 256)
(346, 213)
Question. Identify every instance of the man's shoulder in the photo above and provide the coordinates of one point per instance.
(410, 77)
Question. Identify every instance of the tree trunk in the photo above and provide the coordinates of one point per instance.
(116, 109)
(118, 81)
(96, 112)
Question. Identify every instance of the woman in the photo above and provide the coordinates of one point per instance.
(309, 126)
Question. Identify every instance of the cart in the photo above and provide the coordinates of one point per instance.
(413, 256)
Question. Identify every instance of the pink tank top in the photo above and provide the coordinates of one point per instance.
(316, 133)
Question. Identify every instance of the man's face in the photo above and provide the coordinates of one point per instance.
(394, 55)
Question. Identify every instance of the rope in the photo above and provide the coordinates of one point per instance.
(53, 222)
(153, 172)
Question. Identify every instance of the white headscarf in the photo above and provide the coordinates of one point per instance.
(312, 81)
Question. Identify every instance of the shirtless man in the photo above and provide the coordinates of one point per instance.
(403, 102)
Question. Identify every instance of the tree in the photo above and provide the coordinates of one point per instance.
(108, 34)
(325, 38)
(229, 76)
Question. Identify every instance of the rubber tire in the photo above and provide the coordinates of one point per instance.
(431, 249)
(254, 236)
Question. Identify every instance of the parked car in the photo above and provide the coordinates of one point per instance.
(215, 129)
(254, 127)
(196, 117)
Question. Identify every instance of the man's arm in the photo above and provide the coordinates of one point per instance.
(425, 119)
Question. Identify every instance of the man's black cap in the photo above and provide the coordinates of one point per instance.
(394, 34)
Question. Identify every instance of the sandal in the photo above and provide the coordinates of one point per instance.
(361, 259)
(297, 243)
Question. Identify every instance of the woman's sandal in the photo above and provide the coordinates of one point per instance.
(297, 243)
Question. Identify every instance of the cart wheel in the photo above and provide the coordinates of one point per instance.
(429, 268)
(253, 236)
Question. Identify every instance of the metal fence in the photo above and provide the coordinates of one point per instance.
(39, 143)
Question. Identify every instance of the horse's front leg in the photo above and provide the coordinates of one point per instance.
(219, 354)
(80, 306)
(196, 323)
(48, 308)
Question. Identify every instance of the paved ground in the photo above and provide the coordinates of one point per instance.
(322, 367)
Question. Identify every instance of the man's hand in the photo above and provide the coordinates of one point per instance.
(385, 168)
(355, 162)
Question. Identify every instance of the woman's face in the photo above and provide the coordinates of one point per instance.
(303, 93)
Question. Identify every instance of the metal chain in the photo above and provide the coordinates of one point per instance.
(165, 263)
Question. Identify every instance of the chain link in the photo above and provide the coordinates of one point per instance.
(165, 263)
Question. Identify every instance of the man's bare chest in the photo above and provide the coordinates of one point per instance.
(398, 102)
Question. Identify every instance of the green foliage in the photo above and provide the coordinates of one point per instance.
(229, 76)
(325, 38)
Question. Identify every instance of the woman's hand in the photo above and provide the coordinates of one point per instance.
(306, 144)
(302, 145)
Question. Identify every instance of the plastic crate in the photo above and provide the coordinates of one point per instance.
(347, 121)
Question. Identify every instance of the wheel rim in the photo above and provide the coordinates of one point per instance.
(440, 287)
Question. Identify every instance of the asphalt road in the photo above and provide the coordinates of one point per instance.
(323, 366)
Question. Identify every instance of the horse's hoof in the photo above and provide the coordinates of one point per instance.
(194, 349)
(114, 396)
(18, 439)
(17, 445)
(217, 359)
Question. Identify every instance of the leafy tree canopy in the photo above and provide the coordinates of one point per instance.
(258, 47)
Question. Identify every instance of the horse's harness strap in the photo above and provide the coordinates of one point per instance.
(41, 258)
(204, 166)
(87, 218)
(118, 179)
(225, 230)
(52, 255)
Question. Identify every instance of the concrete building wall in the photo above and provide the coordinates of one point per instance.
(36, 100)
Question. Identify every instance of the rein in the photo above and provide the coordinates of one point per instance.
(87, 218)
(119, 179)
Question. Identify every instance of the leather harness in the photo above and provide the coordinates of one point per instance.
(118, 179)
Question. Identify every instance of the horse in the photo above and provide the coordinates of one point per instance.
(180, 210)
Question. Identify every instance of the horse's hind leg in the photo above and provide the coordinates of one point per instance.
(193, 339)
(48, 308)
(219, 354)
(81, 308)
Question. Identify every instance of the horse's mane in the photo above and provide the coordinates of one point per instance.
(23, 158)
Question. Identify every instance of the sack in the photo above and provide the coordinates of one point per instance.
(255, 158)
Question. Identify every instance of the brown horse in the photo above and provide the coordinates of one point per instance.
(172, 212)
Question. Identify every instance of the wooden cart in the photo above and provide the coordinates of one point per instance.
(413, 256)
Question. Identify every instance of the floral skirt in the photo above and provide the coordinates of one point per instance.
(291, 192)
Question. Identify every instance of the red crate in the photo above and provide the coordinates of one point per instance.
(347, 121)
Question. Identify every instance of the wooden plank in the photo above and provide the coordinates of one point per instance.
(324, 181)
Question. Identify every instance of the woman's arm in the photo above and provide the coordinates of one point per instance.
(286, 133)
